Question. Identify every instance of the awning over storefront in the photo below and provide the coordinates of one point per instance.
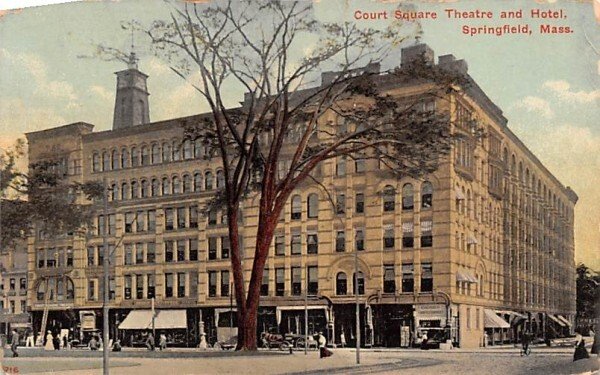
(514, 316)
(466, 276)
(556, 320)
(459, 195)
(562, 318)
(164, 319)
(279, 309)
(491, 320)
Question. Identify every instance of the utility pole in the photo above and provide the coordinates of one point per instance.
(357, 306)
(106, 269)
(305, 309)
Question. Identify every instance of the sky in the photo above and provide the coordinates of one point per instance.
(548, 86)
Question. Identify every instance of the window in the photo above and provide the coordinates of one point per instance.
(124, 158)
(124, 191)
(129, 219)
(426, 195)
(101, 225)
(360, 282)
(264, 285)
(181, 284)
(150, 252)
(181, 213)
(212, 248)
(96, 163)
(176, 185)
(128, 254)
(145, 155)
(296, 207)
(193, 216)
(224, 283)
(426, 277)
(169, 219)
(187, 183)
(91, 290)
(408, 240)
(187, 149)
(225, 247)
(198, 148)
(23, 284)
(139, 286)
(181, 250)
(139, 253)
(359, 164)
(212, 217)
(193, 245)
(166, 186)
(197, 181)
(91, 257)
(115, 159)
(389, 241)
(408, 282)
(296, 281)
(340, 241)
(341, 284)
(340, 204)
(169, 250)
(220, 180)
(389, 279)
(134, 157)
(140, 225)
(340, 166)
(100, 255)
(114, 192)
(155, 154)
(296, 245)
(208, 181)
(105, 161)
(426, 233)
(389, 199)
(145, 189)
(312, 206)
(151, 220)
(279, 281)
(312, 243)
(279, 245)
(166, 152)
(212, 283)
(150, 286)
(12, 284)
(112, 224)
(127, 287)
(168, 285)
(407, 197)
(468, 318)
(359, 204)
(359, 240)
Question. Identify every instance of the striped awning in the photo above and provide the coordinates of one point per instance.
(164, 319)
(556, 320)
(491, 320)
(465, 276)
(459, 195)
(564, 320)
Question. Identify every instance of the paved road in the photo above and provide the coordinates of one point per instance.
(409, 362)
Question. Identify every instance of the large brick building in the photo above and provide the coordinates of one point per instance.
(483, 245)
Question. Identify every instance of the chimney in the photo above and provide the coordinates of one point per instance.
(418, 51)
(450, 63)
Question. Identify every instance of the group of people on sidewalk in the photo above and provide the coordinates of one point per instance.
(151, 344)
(580, 349)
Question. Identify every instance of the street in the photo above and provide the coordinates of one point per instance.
(504, 361)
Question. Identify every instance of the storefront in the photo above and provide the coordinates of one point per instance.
(139, 323)
(496, 328)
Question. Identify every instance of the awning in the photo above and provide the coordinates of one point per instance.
(472, 240)
(459, 195)
(164, 319)
(137, 319)
(279, 309)
(556, 320)
(491, 320)
(464, 275)
(562, 318)
(171, 319)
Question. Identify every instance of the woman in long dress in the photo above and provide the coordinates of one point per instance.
(49, 344)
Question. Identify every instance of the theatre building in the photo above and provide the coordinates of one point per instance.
(481, 248)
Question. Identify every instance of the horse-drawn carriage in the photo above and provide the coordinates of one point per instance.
(274, 340)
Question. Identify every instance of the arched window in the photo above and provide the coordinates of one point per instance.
(41, 290)
(176, 150)
(124, 158)
(134, 189)
(198, 148)
(155, 154)
(360, 282)
(187, 183)
(220, 180)
(208, 181)
(145, 189)
(166, 152)
(166, 186)
(469, 203)
(389, 199)
(135, 160)
(114, 192)
(187, 149)
(105, 161)
(96, 166)
(124, 190)
(197, 181)
(407, 197)
(176, 185)
(70, 288)
(145, 155)
(426, 195)
(341, 284)
(155, 188)
(312, 205)
(115, 159)
(296, 207)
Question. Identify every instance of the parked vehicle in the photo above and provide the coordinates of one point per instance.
(274, 340)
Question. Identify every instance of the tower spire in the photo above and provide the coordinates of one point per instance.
(132, 63)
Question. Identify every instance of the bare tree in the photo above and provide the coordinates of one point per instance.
(288, 123)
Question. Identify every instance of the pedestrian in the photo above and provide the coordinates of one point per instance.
(93, 345)
(486, 339)
(56, 342)
(116, 346)
(29, 342)
(162, 341)
(65, 342)
(595, 344)
(424, 340)
(49, 345)
(323, 351)
(580, 351)
(14, 343)
(342, 340)
(150, 342)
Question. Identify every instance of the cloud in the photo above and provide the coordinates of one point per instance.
(537, 105)
(102, 93)
(563, 90)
